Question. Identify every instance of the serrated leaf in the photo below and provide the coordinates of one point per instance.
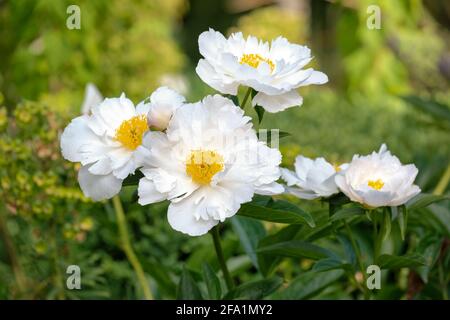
(346, 213)
(277, 211)
(309, 284)
(187, 287)
(250, 232)
(212, 282)
(256, 289)
(423, 200)
(296, 249)
(387, 261)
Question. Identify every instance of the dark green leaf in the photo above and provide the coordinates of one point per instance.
(423, 200)
(133, 179)
(187, 288)
(250, 231)
(212, 282)
(256, 289)
(330, 264)
(268, 263)
(260, 111)
(387, 261)
(433, 108)
(296, 249)
(272, 134)
(277, 211)
(346, 213)
(309, 284)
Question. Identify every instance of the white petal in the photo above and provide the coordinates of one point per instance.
(76, 135)
(316, 77)
(181, 217)
(211, 43)
(289, 176)
(164, 102)
(279, 102)
(269, 189)
(215, 80)
(302, 194)
(98, 187)
(92, 97)
(147, 192)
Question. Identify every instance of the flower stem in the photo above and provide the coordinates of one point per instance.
(443, 182)
(247, 95)
(358, 259)
(128, 249)
(223, 265)
(11, 252)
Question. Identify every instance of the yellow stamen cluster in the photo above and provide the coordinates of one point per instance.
(202, 165)
(376, 184)
(337, 167)
(131, 131)
(253, 61)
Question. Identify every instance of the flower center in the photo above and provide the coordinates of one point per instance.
(253, 61)
(337, 167)
(130, 132)
(202, 165)
(376, 184)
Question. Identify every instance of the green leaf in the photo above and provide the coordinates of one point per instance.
(387, 261)
(187, 288)
(212, 282)
(268, 263)
(423, 200)
(277, 211)
(297, 249)
(260, 112)
(346, 213)
(402, 220)
(269, 135)
(256, 289)
(133, 179)
(309, 284)
(385, 229)
(250, 231)
(433, 108)
(330, 264)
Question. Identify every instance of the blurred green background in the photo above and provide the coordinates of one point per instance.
(386, 85)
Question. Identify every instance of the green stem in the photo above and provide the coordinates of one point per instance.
(128, 249)
(247, 95)
(16, 267)
(223, 265)
(443, 182)
(442, 280)
(58, 276)
(358, 259)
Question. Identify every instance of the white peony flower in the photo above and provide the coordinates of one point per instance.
(105, 143)
(312, 178)
(274, 70)
(207, 164)
(161, 105)
(378, 180)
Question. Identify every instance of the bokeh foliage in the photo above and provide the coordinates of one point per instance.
(46, 224)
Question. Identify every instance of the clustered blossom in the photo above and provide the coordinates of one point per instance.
(205, 158)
